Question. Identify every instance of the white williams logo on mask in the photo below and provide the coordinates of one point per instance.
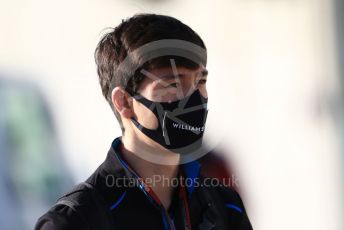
(188, 127)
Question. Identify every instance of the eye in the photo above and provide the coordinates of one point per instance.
(174, 85)
(202, 81)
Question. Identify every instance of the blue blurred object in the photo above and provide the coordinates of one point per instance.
(32, 170)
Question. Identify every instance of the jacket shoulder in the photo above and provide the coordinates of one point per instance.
(83, 207)
(61, 217)
(70, 211)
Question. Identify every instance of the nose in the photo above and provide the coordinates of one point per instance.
(187, 85)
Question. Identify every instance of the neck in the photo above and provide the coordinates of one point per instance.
(159, 174)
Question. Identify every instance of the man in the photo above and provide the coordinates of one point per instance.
(152, 71)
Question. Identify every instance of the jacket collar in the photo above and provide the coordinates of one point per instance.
(116, 165)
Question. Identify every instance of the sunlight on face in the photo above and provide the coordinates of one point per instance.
(171, 84)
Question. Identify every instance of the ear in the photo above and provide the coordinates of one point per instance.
(122, 102)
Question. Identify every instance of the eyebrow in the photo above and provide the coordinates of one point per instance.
(204, 73)
(162, 79)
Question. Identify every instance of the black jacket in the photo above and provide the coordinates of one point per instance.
(114, 198)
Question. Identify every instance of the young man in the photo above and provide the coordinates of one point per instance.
(152, 71)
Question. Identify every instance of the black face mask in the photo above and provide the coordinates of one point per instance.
(181, 123)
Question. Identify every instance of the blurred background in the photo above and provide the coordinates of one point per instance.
(275, 94)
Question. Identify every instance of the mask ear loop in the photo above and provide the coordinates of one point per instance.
(143, 100)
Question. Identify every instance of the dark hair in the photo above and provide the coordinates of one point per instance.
(131, 34)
